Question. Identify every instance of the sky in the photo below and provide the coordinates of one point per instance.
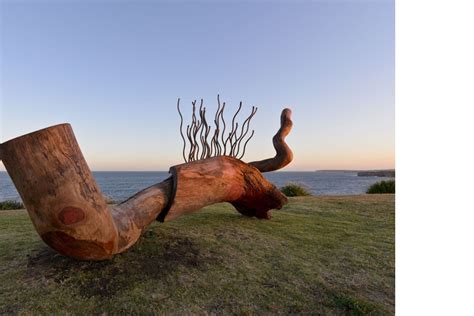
(114, 70)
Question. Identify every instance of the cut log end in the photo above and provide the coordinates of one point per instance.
(70, 214)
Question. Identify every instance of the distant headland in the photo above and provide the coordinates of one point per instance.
(377, 173)
(390, 173)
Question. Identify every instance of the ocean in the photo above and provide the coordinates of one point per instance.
(121, 185)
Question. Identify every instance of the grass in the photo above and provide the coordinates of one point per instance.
(318, 255)
(382, 187)
(109, 200)
(11, 205)
(294, 189)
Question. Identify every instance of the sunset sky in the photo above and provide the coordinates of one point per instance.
(114, 70)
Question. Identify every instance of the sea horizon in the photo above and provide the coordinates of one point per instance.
(119, 185)
(277, 171)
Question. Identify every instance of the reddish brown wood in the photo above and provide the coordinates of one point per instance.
(60, 194)
(64, 202)
(222, 179)
(284, 155)
(69, 211)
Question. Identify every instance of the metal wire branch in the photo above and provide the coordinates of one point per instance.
(220, 143)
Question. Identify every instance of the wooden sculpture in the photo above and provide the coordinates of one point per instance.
(70, 213)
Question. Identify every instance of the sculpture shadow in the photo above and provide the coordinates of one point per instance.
(155, 257)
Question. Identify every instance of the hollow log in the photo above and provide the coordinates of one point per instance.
(70, 214)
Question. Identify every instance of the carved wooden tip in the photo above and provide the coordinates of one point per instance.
(284, 155)
(285, 114)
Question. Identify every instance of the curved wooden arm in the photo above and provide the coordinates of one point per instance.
(222, 179)
(70, 214)
(284, 155)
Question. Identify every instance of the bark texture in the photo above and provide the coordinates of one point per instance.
(69, 211)
(60, 194)
(222, 179)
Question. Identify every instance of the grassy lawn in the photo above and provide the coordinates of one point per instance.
(329, 255)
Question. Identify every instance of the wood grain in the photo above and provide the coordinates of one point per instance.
(222, 179)
(69, 211)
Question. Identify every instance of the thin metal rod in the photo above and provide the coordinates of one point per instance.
(245, 145)
(181, 132)
(199, 130)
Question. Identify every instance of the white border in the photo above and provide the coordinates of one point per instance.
(434, 157)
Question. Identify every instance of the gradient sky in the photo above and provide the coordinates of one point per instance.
(115, 69)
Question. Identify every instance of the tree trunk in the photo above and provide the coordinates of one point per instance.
(60, 194)
(69, 211)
